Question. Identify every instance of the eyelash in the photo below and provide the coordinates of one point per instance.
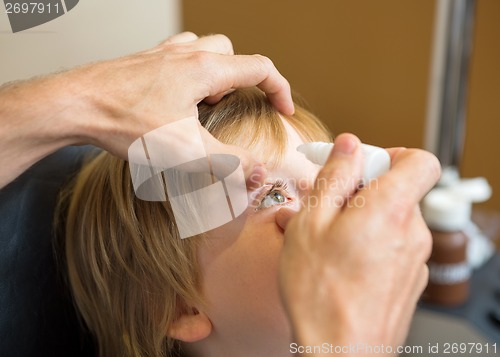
(278, 185)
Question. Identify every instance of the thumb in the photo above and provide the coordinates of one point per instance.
(283, 216)
(338, 179)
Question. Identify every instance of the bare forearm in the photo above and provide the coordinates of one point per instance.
(335, 330)
(111, 103)
(37, 117)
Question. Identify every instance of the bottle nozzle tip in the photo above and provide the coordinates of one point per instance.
(301, 148)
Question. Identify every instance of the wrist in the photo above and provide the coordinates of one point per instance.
(314, 327)
(341, 330)
(38, 112)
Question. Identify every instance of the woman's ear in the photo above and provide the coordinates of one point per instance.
(190, 327)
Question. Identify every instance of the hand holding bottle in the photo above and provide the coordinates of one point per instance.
(353, 274)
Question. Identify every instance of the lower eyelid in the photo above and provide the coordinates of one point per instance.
(288, 195)
(260, 199)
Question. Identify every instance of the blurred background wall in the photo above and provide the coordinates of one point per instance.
(363, 65)
(482, 143)
(93, 30)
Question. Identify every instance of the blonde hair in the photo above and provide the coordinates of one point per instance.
(130, 273)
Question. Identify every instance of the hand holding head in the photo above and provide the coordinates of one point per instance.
(133, 95)
(112, 103)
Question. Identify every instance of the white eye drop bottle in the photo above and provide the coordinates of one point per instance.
(376, 160)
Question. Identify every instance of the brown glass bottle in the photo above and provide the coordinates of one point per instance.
(449, 271)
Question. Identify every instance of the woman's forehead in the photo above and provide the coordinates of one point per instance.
(294, 167)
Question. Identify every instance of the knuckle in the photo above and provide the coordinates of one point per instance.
(164, 43)
(175, 40)
(429, 163)
(266, 62)
(421, 236)
(434, 166)
(425, 272)
(225, 42)
(425, 277)
(425, 242)
(189, 33)
(202, 60)
(203, 69)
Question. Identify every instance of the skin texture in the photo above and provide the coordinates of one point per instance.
(240, 263)
(347, 274)
(112, 103)
(361, 267)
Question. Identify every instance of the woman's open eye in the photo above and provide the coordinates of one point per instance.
(276, 195)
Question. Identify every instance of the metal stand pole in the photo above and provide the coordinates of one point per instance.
(449, 80)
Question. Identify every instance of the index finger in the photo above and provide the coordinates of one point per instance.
(413, 173)
(226, 72)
